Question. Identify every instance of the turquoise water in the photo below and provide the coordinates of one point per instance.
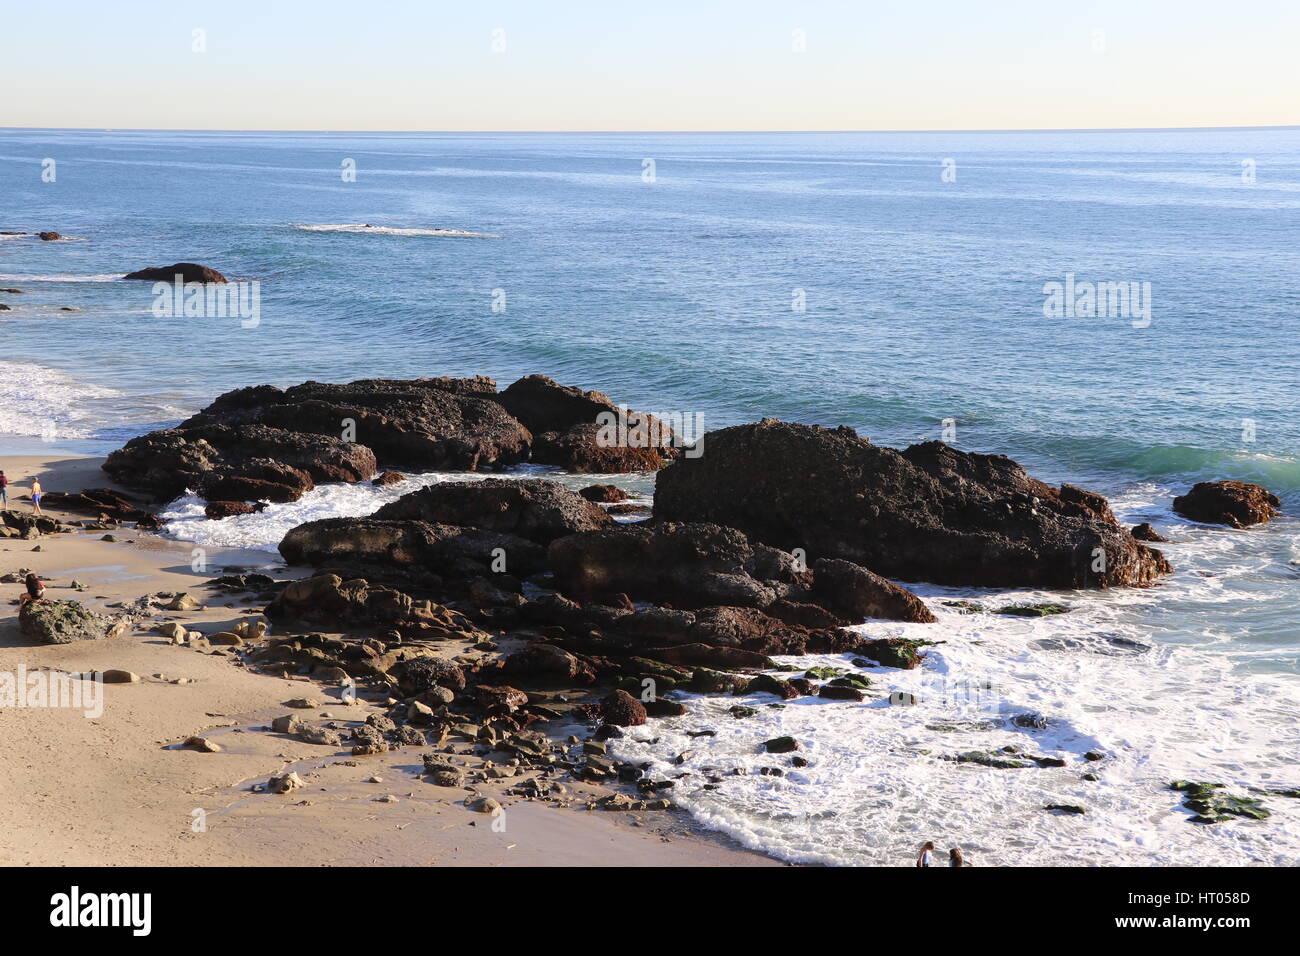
(924, 301)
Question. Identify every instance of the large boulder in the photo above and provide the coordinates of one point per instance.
(444, 549)
(1236, 503)
(236, 462)
(188, 271)
(687, 565)
(432, 424)
(531, 508)
(60, 622)
(929, 513)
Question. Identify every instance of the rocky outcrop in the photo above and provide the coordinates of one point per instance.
(429, 424)
(236, 462)
(1144, 532)
(929, 513)
(96, 501)
(1235, 503)
(329, 600)
(445, 549)
(60, 622)
(188, 271)
(531, 508)
(687, 565)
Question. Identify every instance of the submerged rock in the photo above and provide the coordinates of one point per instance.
(928, 513)
(1235, 503)
(1213, 806)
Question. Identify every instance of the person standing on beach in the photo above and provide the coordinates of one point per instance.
(4, 489)
(926, 856)
(36, 495)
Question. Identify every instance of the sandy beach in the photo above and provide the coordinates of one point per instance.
(119, 789)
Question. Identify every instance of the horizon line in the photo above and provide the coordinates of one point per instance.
(642, 132)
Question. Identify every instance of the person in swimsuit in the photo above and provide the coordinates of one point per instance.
(37, 494)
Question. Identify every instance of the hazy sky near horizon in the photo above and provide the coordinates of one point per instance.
(667, 65)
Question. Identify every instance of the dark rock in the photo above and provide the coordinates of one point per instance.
(188, 271)
(216, 510)
(662, 707)
(503, 698)
(445, 549)
(1235, 503)
(893, 652)
(51, 237)
(687, 565)
(839, 692)
(781, 745)
(929, 513)
(604, 494)
(1033, 610)
(235, 459)
(427, 424)
(622, 710)
(855, 593)
(384, 479)
(1065, 808)
(550, 662)
(1144, 532)
(767, 684)
(531, 508)
(580, 449)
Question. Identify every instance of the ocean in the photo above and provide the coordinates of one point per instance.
(896, 282)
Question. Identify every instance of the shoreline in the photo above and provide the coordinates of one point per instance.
(114, 791)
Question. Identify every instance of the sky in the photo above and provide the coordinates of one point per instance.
(617, 65)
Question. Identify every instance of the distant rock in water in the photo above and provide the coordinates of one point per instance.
(188, 271)
(1236, 503)
(928, 513)
(48, 236)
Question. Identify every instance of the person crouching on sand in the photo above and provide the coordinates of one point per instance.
(37, 493)
(956, 859)
(926, 856)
